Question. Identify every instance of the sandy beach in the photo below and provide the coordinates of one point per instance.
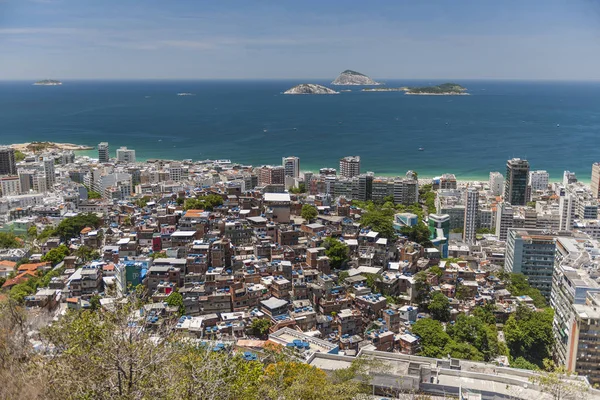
(48, 146)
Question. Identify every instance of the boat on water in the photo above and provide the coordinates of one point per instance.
(421, 149)
(185, 94)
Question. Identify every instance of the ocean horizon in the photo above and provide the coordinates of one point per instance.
(553, 124)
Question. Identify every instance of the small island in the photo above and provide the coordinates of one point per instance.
(353, 78)
(48, 82)
(310, 88)
(445, 89)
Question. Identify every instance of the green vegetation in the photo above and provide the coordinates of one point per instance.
(300, 189)
(518, 285)
(19, 156)
(156, 255)
(260, 327)
(418, 233)
(438, 89)
(86, 253)
(531, 204)
(175, 299)
(141, 203)
(207, 203)
(427, 198)
(529, 335)
(423, 289)
(99, 356)
(336, 251)
(56, 255)
(378, 218)
(558, 383)
(439, 307)
(470, 338)
(342, 276)
(457, 230)
(9, 240)
(71, 227)
(92, 195)
(309, 212)
(485, 231)
(18, 292)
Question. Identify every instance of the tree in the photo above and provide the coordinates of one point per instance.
(71, 227)
(559, 382)
(207, 203)
(116, 354)
(56, 255)
(175, 299)
(300, 189)
(19, 156)
(439, 307)
(9, 240)
(260, 327)
(342, 276)
(379, 219)
(418, 233)
(95, 302)
(336, 251)
(309, 212)
(463, 351)
(156, 255)
(86, 253)
(32, 232)
(93, 195)
(474, 331)
(522, 363)
(433, 338)
(518, 285)
(529, 335)
(423, 289)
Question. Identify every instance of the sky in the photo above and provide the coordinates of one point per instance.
(279, 39)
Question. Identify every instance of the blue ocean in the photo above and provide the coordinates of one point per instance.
(555, 125)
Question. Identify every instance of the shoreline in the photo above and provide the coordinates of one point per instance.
(49, 146)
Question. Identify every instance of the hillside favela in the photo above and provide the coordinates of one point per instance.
(199, 200)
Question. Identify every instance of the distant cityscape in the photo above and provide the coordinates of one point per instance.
(334, 264)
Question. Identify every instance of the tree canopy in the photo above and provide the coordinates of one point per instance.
(56, 255)
(309, 212)
(518, 285)
(529, 335)
(72, 226)
(207, 203)
(336, 251)
(113, 355)
(439, 307)
(9, 240)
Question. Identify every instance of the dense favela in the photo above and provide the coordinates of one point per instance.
(211, 279)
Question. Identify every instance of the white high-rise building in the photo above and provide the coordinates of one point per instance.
(568, 178)
(566, 209)
(49, 172)
(291, 165)
(10, 185)
(471, 208)
(539, 180)
(350, 166)
(125, 155)
(175, 172)
(504, 220)
(496, 183)
(103, 152)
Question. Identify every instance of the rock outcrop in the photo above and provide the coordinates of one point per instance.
(349, 77)
(310, 88)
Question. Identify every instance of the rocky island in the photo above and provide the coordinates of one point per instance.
(445, 89)
(310, 88)
(48, 82)
(349, 77)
